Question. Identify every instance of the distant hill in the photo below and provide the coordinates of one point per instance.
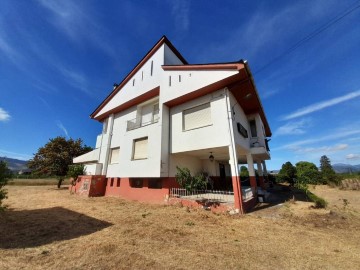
(346, 168)
(15, 165)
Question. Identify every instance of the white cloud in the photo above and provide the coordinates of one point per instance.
(322, 149)
(4, 115)
(75, 79)
(353, 156)
(341, 133)
(61, 126)
(79, 23)
(322, 105)
(181, 13)
(293, 128)
(11, 154)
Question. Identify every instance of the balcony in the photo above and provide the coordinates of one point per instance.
(259, 147)
(143, 121)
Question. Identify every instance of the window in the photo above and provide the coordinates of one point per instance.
(140, 148)
(199, 116)
(111, 182)
(151, 68)
(118, 182)
(136, 182)
(169, 80)
(155, 183)
(114, 155)
(253, 128)
(156, 113)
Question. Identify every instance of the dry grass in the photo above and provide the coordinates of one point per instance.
(352, 184)
(46, 228)
(36, 182)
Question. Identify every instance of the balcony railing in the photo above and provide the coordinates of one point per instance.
(138, 121)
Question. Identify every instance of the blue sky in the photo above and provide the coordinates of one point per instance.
(59, 60)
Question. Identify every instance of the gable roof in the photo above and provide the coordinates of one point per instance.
(151, 52)
(241, 85)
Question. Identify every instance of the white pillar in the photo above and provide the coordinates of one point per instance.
(252, 176)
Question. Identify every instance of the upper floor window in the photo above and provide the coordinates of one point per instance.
(196, 117)
(140, 148)
(253, 131)
(114, 155)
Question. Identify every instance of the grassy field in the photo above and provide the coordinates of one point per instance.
(36, 182)
(48, 228)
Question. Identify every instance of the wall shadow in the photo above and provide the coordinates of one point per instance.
(280, 194)
(33, 228)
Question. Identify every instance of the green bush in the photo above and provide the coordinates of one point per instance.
(5, 175)
(186, 180)
(319, 202)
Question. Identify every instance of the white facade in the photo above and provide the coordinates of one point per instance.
(173, 116)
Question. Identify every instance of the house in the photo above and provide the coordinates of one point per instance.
(167, 113)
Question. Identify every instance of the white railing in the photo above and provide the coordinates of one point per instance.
(214, 195)
(138, 123)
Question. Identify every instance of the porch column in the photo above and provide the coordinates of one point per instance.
(264, 169)
(235, 176)
(261, 175)
(252, 177)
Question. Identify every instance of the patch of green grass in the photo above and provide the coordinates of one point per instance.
(319, 202)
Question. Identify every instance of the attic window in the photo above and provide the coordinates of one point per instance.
(169, 80)
(133, 82)
(179, 78)
(142, 75)
(151, 68)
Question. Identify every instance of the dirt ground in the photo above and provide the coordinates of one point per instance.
(47, 228)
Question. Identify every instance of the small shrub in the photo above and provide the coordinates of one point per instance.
(190, 223)
(5, 175)
(319, 202)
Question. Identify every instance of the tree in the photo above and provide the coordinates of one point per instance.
(307, 173)
(76, 170)
(287, 173)
(5, 175)
(54, 158)
(327, 172)
(244, 172)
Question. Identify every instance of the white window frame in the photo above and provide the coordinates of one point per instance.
(112, 158)
(134, 157)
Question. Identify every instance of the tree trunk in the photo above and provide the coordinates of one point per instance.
(60, 182)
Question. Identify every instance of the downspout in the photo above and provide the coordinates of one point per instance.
(106, 161)
(232, 146)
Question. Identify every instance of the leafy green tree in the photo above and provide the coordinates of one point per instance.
(5, 175)
(307, 173)
(327, 172)
(244, 172)
(287, 173)
(54, 158)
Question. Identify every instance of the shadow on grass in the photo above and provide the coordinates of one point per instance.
(33, 228)
(280, 194)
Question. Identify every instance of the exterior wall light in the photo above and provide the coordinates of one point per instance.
(211, 157)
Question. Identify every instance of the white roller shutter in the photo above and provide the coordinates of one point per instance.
(140, 148)
(196, 117)
(114, 155)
